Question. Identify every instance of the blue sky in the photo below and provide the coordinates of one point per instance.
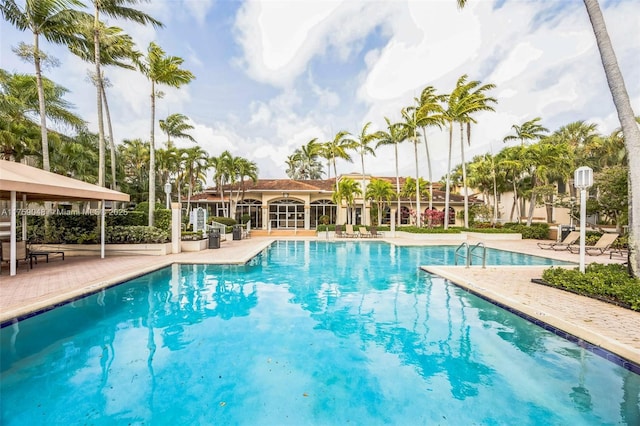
(272, 75)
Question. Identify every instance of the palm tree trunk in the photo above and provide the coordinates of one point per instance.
(398, 213)
(152, 157)
(464, 178)
(415, 152)
(96, 53)
(112, 144)
(426, 147)
(448, 183)
(627, 120)
(364, 200)
(43, 118)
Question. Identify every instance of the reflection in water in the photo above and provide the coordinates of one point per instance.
(306, 333)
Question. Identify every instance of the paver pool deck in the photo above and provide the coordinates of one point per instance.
(613, 328)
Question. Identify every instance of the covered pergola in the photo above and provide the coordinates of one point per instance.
(29, 184)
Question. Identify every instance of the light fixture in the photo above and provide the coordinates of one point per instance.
(583, 180)
(285, 194)
(167, 190)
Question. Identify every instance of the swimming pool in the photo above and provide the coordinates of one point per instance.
(305, 333)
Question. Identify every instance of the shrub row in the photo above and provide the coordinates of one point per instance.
(609, 282)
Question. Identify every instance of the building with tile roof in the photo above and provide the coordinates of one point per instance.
(299, 204)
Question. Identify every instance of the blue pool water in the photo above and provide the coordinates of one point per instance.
(307, 333)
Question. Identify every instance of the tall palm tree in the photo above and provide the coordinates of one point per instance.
(363, 147)
(54, 20)
(160, 69)
(510, 161)
(397, 134)
(118, 9)
(176, 127)
(307, 156)
(381, 192)
(528, 131)
(411, 124)
(430, 114)
(338, 148)
(627, 120)
(466, 99)
(117, 49)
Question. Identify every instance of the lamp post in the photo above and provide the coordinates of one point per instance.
(582, 180)
(167, 190)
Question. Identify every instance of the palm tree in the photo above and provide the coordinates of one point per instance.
(54, 20)
(510, 161)
(528, 131)
(411, 124)
(118, 49)
(430, 114)
(160, 69)
(337, 148)
(117, 9)
(466, 99)
(347, 191)
(176, 127)
(362, 147)
(223, 173)
(380, 191)
(627, 120)
(397, 134)
(134, 155)
(196, 163)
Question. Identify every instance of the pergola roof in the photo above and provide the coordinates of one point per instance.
(40, 185)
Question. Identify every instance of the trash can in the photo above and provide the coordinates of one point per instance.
(237, 232)
(564, 231)
(214, 239)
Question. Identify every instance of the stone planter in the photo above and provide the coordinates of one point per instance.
(197, 245)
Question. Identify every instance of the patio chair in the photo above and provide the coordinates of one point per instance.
(338, 232)
(22, 254)
(571, 238)
(602, 245)
(349, 232)
(364, 232)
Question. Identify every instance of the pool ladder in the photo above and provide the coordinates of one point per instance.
(467, 252)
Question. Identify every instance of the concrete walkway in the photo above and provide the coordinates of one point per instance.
(612, 328)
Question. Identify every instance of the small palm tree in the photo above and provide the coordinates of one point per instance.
(381, 192)
(338, 148)
(347, 191)
(430, 114)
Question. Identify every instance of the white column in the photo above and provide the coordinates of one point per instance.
(176, 230)
(12, 232)
(102, 225)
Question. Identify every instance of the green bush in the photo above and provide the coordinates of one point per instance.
(611, 282)
(192, 236)
(135, 235)
(223, 220)
(537, 231)
(416, 230)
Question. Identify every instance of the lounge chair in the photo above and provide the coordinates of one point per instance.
(364, 232)
(349, 232)
(571, 238)
(22, 254)
(375, 233)
(339, 233)
(602, 245)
